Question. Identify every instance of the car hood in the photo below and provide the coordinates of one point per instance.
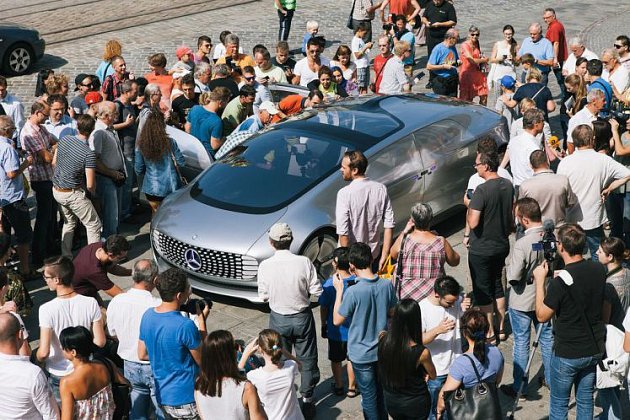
(15, 26)
(187, 220)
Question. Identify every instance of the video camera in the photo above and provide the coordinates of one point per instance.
(620, 111)
(548, 245)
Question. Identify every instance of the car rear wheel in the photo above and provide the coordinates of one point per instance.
(319, 250)
(18, 59)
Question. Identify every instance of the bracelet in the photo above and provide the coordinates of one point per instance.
(466, 235)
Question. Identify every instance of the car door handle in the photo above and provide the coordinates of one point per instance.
(425, 172)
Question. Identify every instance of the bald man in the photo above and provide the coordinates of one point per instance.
(24, 390)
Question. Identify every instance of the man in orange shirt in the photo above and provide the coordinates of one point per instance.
(159, 76)
(233, 59)
(293, 104)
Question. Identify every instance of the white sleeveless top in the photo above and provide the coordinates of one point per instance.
(502, 69)
(228, 406)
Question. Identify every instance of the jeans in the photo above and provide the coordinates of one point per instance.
(110, 198)
(184, 412)
(75, 207)
(285, 24)
(44, 220)
(143, 400)
(435, 385)
(521, 323)
(610, 401)
(372, 399)
(615, 204)
(53, 381)
(545, 78)
(564, 374)
(593, 239)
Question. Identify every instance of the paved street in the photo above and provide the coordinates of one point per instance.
(77, 30)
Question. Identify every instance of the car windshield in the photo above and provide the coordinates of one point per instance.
(365, 119)
(269, 171)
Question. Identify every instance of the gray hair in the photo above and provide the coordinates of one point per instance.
(6, 123)
(576, 41)
(594, 94)
(105, 109)
(151, 89)
(452, 33)
(532, 116)
(422, 214)
(231, 39)
(611, 53)
(536, 26)
(144, 270)
(221, 70)
(201, 69)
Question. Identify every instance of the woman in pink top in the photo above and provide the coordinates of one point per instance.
(472, 76)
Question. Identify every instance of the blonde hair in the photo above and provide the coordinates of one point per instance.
(534, 73)
(112, 49)
(400, 47)
(312, 24)
(55, 83)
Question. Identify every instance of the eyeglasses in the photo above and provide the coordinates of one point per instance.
(476, 164)
(475, 34)
(250, 78)
(618, 46)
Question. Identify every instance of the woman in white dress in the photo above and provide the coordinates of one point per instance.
(503, 60)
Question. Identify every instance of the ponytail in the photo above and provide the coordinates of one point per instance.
(475, 327)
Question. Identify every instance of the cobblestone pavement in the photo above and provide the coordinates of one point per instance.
(73, 31)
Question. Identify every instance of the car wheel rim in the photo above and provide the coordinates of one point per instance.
(319, 250)
(19, 60)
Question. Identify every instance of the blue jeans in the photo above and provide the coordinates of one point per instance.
(435, 385)
(143, 400)
(111, 205)
(521, 323)
(610, 401)
(53, 381)
(593, 239)
(372, 400)
(564, 374)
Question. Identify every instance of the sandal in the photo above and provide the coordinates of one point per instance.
(352, 393)
(337, 391)
(502, 335)
(493, 339)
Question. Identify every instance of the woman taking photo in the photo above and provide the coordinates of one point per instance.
(502, 58)
(404, 363)
(86, 393)
(422, 257)
(221, 392)
(487, 358)
(158, 158)
(472, 77)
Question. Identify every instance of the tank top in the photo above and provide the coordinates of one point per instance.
(228, 406)
(98, 406)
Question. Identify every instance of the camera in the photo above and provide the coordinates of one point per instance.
(620, 111)
(388, 27)
(547, 245)
(191, 305)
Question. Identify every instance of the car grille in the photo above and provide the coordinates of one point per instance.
(212, 263)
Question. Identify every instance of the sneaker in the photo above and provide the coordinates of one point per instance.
(308, 410)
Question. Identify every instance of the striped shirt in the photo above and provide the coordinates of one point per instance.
(73, 157)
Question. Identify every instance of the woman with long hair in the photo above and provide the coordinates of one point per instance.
(86, 393)
(472, 77)
(158, 158)
(403, 364)
(220, 390)
(111, 50)
(503, 59)
(274, 381)
(576, 87)
(348, 86)
(40, 86)
(602, 132)
(342, 60)
(487, 358)
(612, 253)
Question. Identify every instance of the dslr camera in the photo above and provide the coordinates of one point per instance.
(547, 245)
(620, 111)
(388, 27)
(191, 305)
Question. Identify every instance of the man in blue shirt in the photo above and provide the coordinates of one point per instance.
(594, 69)
(205, 124)
(369, 302)
(337, 335)
(443, 64)
(171, 342)
(541, 48)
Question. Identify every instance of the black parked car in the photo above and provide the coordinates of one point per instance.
(20, 48)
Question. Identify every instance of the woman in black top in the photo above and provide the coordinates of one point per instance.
(404, 364)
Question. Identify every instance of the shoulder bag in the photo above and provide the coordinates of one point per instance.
(349, 22)
(181, 177)
(373, 84)
(121, 389)
(399, 267)
(478, 402)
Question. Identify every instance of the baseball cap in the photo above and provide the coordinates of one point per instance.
(280, 232)
(508, 81)
(93, 98)
(79, 79)
(269, 107)
(182, 51)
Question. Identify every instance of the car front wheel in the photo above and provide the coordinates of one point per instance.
(18, 59)
(319, 250)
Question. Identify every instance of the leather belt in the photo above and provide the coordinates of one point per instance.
(66, 189)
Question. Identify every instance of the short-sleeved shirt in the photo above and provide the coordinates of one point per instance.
(66, 126)
(442, 54)
(555, 33)
(181, 108)
(106, 145)
(447, 346)
(169, 337)
(553, 193)
(541, 50)
(289, 64)
(127, 135)
(73, 157)
(441, 13)
(462, 370)
(306, 74)
(292, 104)
(520, 148)
(572, 339)
(494, 200)
(538, 92)
(327, 299)
(357, 45)
(204, 125)
(34, 138)
(90, 275)
(78, 105)
(393, 77)
(11, 190)
(234, 113)
(242, 61)
(226, 82)
(274, 72)
(367, 303)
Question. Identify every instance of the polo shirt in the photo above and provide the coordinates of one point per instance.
(442, 54)
(520, 148)
(73, 157)
(11, 190)
(367, 303)
(583, 116)
(90, 275)
(66, 126)
(541, 50)
(553, 193)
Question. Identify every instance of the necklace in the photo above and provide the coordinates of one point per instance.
(65, 294)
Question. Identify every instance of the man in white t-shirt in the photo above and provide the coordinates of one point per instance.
(596, 101)
(306, 70)
(521, 147)
(24, 390)
(441, 334)
(576, 45)
(68, 309)
(124, 314)
(614, 72)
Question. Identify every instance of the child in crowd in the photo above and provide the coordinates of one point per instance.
(337, 336)
(527, 61)
(274, 381)
(508, 85)
(185, 63)
(312, 27)
(361, 54)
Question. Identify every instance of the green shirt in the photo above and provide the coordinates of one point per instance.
(235, 113)
(288, 4)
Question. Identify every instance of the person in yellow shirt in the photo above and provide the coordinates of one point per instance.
(234, 59)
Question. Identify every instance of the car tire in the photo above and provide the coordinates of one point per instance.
(18, 59)
(319, 249)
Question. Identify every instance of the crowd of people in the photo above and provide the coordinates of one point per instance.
(409, 335)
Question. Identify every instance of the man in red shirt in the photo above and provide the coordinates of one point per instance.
(381, 59)
(556, 35)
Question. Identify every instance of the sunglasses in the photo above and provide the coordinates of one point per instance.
(618, 46)
(87, 84)
(250, 78)
(477, 34)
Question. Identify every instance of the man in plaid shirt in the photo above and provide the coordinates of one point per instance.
(40, 144)
(112, 85)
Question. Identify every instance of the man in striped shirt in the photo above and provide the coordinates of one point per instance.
(74, 181)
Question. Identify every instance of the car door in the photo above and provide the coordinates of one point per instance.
(448, 155)
(399, 167)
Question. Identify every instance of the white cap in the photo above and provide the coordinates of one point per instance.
(280, 232)
(269, 107)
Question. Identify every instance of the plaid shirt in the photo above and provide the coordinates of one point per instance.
(422, 264)
(112, 86)
(34, 138)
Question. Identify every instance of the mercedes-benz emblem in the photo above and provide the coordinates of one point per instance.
(193, 259)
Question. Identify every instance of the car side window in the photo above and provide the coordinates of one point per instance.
(395, 162)
(441, 136)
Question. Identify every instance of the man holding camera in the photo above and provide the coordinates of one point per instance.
(520, 265)
(575, 297)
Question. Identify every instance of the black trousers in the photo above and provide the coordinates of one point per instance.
(285, 24)
(44, 232)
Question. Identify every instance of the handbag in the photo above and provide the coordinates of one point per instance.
(121, 389)
(182, 179)
(349, 22)
(399, 267)
(387, 270)
(478, 402)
